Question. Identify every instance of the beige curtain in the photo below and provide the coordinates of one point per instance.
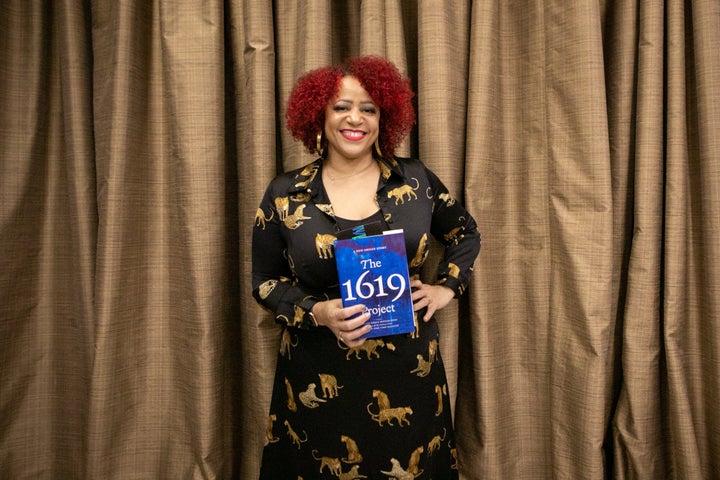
(136, 138)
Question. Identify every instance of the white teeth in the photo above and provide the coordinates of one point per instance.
(353, 134)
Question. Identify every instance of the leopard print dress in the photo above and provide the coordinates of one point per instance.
(380, 410)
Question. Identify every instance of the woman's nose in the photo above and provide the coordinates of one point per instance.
(354, 115)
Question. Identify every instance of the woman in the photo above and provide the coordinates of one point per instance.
(343, 405)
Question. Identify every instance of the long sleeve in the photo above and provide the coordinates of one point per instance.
(454, 227)
(273, 282)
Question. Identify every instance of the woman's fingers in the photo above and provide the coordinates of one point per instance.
(432, 297)
(348, 324)
(350, 312)
(354, 325)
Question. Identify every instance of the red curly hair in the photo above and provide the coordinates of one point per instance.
(388, 88)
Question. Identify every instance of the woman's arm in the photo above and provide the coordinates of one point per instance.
(454, 227)
(273, 282)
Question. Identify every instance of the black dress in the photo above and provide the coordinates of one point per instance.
(380, 410)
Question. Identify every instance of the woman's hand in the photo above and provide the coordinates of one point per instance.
(434, 297)
(331, 314)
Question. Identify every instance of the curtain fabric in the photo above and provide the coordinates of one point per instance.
(136, 139)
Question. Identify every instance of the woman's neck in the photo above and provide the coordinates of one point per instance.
(342, 169)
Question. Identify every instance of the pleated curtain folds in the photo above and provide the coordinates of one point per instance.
(137, 138)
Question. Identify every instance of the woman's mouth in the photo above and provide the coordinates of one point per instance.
(353, 135)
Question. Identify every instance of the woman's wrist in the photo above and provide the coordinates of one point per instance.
(315, 313)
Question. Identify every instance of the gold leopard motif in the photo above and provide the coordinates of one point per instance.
(309, 398)
(455, 235)
(422, 252)
(299, 316)
(269, 437)
(388, 415)
(300, 197)
(286, 343)
(454, 270)
(324, 243)
(452, 235)
(329, 385)
(296, 440)
(434, 444)
(440, 391)
(432, 350)
(352, 474)
(382, 399)
(261, 219)
(325, 208)
(266, 288)
(447, 198)
(296, 219)
(282, 205)
(291, 404)
(370, 348)
(309, 171)
(397, 472)
(415, 333)
(353, 455)
(332, 464)
(423, 368)
(414, 461)
(402, 191)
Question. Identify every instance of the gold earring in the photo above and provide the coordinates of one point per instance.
(377, 147)
(318, 144)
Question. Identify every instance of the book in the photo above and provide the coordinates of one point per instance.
(373, 271)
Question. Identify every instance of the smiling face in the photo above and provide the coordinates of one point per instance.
(352, 121)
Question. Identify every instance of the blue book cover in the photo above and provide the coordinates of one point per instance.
(373, 271)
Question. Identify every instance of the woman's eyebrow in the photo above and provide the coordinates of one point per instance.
(346, 100)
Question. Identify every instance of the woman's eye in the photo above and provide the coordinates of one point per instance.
(371, 111)
(340, 108)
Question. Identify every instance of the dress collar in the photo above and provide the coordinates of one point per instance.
(309, 178)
